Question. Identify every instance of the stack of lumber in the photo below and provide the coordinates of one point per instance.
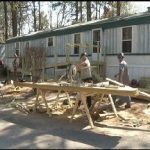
(144, 82)
(142, 95)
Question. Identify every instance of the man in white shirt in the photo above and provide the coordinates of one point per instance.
(84, 67)
(123, 76)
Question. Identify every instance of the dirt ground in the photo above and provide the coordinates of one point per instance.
(136, 116)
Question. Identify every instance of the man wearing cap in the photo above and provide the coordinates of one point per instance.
(84, 67)
(16, 66)
(123, 76)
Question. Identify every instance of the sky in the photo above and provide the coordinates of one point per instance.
(139, 6)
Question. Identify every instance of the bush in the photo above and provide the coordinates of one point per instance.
(4, 71)
(134, 83)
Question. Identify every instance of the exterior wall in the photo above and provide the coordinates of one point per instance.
(10, 50)
(139, 66)
(138, 60)
(112, 40)
(2, 52)
(143, 38)
(140, 39)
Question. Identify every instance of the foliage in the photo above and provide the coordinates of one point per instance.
(19, 14)
(33, 61)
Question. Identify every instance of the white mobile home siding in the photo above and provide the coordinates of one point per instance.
(2, 52)
(112, 40)
(138, 64)
(143, 38)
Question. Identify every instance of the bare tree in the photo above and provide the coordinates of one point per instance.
(34, 15)
(14, 11)
(118, 8)
(6, 20)
(88, 8)
(80, 10)
(50, 11)
(39, 15)
(76, 10)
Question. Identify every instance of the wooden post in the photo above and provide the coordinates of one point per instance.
(68, 53)
(98, 53)
(43, 92)
(57, 98)
(75, 107)
(37, 100)
(56, 61)
(113, 106)
(83, 99)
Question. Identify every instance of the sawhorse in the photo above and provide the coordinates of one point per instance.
(42, 92)
(83, 97)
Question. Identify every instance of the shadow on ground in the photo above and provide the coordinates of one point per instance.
(41, 124)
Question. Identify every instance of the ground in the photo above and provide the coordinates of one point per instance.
(135, 118)
(137, 115)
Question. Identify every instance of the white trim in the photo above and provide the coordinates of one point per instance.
(17, 48)
(29, 43)
(101, 35)
(128, 39)
(53, 37)
(135, 66)
(80, 33)
(16, 45)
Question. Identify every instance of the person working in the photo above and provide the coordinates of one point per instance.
(16, 66)
(123, 76)
(84, 68)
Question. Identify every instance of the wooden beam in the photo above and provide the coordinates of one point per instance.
(114, 82)
(122, 91)
(143, 96)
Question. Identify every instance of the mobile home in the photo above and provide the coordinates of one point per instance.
(102, 39)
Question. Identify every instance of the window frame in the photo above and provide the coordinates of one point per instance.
(27, 43)
(75, 43)
(100, 30)
(52, 37)
(127, 40)
(17, 48)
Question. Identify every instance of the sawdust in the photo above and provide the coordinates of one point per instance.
(135, 116)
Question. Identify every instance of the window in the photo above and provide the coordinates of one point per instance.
(50, 41)
(127, 39)
(27, 45)
(96, 39)
(76, 43)
(17, 48)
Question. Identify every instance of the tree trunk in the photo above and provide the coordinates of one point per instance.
(6, 20)
(39, 15)
(77, 12)
(51, 15)
(96, 9)
(88, 7)
(118, 8)
(63, 14)
(34, 15)
(14, 18)
(19, 19)
(81, 11)
(99, 10)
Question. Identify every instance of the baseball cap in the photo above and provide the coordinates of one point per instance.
(120, 55)
(83, 54)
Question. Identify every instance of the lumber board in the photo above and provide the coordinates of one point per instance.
(115, 82)
(143, 96)
(122, 91)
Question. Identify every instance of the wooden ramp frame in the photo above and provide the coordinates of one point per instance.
(83, 90)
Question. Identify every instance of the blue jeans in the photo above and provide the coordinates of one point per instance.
(122, 99)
